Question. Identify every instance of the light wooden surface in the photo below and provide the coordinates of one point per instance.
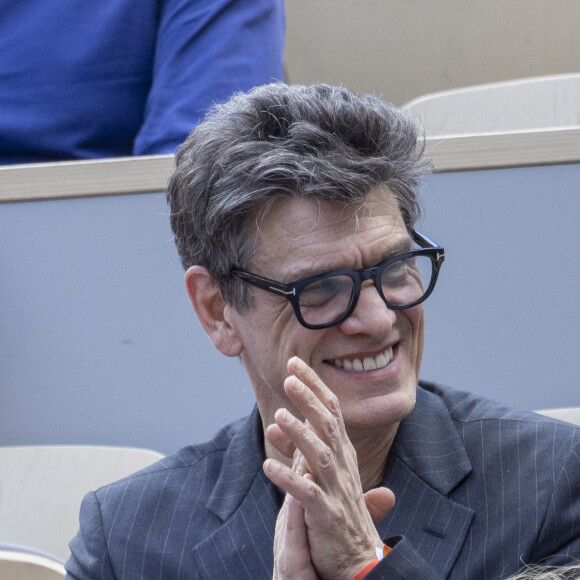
(117, 176)
(26, 566)
(130, 175)
(41, 489)
(522, 105)
(503, 150)
(568, 414)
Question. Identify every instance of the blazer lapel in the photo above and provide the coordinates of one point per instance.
(427, 461)
(246, 502)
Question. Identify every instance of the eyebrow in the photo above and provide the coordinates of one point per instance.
(405, 245)
(297, 275)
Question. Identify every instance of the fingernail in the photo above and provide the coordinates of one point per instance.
(269, 466)
(299, 364)
(293, 384)
(297, 385)
(281, 416)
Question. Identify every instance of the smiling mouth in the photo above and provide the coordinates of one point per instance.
(369, 363)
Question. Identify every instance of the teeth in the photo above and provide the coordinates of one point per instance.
(369, 363)
(381, 361)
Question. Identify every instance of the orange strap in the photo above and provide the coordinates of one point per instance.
(366, 570)
(372, 564)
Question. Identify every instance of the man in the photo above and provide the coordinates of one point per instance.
(293, 210)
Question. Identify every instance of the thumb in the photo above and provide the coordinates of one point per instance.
(380, 502)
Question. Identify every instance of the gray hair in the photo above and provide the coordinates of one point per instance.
(548, 573)
(283, 140)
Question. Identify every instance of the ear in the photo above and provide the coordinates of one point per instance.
(212, 311)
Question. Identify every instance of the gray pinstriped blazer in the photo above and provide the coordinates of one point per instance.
(481, 489)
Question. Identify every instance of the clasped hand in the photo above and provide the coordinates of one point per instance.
(326, 526)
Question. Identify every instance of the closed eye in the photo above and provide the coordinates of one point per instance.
(321, 292)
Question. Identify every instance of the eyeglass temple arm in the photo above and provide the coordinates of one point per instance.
(423, 240)
(264, 283)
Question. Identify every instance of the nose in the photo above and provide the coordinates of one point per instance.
(371, 315)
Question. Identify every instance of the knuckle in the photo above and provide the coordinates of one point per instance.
(331, 428)
(334, 405)
(351, 451)
(336, 518)
(312, 494)
(325, 457)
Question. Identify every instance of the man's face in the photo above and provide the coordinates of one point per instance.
(300, 237)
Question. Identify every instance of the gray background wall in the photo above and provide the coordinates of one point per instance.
(99, 344)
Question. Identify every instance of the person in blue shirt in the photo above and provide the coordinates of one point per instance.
(82, 79)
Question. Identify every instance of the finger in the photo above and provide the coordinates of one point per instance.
(280, 440)
(296, 538)
(379, 501)
(320, 460)
(301, 488)
(292, 552)
(293, 481)
(299, 464)
(324, 423)
(296, 366)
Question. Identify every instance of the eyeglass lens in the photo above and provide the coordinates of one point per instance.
(403, 282)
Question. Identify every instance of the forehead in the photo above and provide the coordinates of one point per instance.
(301, 236)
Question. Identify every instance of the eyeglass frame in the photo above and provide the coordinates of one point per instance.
(292, 290)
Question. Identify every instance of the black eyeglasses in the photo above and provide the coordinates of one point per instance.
(326, 299)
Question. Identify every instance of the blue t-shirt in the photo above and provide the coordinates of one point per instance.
(89, 79)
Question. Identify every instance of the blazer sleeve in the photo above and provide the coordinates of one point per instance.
(205, 52)
(559, 538)
(401, 563)
(89, 552)
(557, 541)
